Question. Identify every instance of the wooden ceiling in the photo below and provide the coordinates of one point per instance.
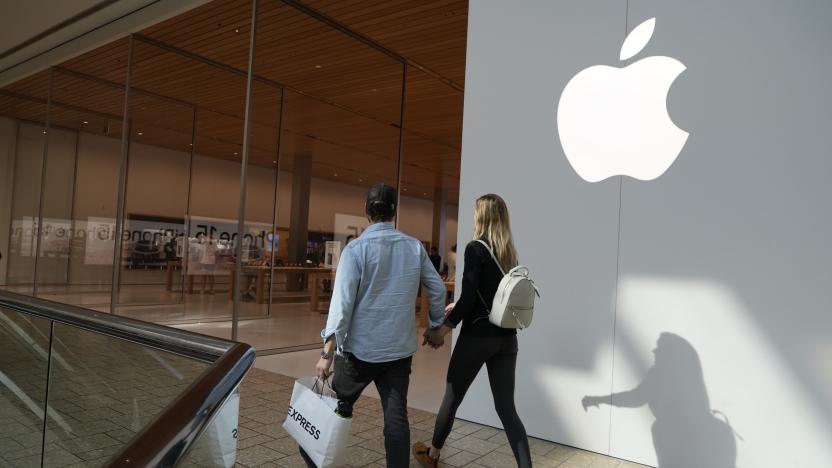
(336, 67)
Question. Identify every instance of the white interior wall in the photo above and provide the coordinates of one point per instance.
(158, 185)
(8, 140)
(728, 251)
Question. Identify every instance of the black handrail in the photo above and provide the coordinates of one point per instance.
(167, 438)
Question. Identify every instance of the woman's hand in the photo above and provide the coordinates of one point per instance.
(590, 401)
(449, 308)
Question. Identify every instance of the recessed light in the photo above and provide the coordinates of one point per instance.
(405, 190)
(274, 162)
(237, 30)
(235, 153)
(85, 122)
(318, 66)
(190, 144)
(425, 194)
(335, 174)
(44, 132)
(140, 133)
(374, 89)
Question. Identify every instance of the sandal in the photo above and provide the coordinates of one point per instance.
(421, 453)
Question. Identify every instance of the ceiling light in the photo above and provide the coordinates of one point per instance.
(274, 162)
(318, 66)
(85, 122)
(336, 174)
(237, 30)
(140, 133)
(235, 153)
(44, 132)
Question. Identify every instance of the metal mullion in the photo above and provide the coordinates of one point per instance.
(122, 183)
(276, 196)
(401, 144)
(238, 267)
(187, 248)
(72, 208)
(43, 168)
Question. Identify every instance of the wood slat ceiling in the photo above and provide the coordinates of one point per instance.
(341, 97)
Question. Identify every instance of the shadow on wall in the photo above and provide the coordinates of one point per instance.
(687, 433)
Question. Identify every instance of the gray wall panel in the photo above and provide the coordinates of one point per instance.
(727, 252)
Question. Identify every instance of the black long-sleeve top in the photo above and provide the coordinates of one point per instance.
(481, 274)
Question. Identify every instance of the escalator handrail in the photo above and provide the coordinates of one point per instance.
(167, 438)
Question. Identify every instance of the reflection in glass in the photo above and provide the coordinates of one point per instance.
(103, 390)
(24, 353)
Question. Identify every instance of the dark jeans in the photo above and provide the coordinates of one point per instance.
(392, 380)
(499, 354)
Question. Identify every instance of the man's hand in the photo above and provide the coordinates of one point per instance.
(324, 368)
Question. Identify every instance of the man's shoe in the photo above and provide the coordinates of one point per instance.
(421, 453)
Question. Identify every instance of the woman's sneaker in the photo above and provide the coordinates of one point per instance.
(421, 453)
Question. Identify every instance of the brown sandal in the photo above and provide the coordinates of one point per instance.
(421, 453)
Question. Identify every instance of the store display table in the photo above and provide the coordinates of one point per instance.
(315, 277)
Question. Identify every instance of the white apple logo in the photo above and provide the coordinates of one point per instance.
(614, 121)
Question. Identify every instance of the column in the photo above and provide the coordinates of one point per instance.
(299, 217)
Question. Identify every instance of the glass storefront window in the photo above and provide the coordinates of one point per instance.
(328, 117)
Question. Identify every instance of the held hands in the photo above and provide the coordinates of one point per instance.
(435, 337)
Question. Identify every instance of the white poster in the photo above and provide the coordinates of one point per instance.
(333, 254)
(100, 240)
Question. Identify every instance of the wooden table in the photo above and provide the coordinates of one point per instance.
(424, 305)
(315, 275)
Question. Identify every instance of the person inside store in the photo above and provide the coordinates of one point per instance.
(450, 264)
(435, 258)
(207, 259)
(378, 276)
(480, 342)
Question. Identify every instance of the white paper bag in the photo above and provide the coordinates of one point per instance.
(217, 446)
(313, 423)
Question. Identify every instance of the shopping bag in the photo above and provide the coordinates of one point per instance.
(217, 446)
(314, 424)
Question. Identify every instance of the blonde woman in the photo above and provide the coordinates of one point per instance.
(480, 343)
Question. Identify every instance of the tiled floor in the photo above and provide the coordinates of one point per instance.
(262, 442)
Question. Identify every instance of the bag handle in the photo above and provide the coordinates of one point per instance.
(323, 386)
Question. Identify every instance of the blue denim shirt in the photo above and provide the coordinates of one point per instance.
(373, 308)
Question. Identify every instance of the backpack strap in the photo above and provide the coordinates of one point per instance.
(487, 247)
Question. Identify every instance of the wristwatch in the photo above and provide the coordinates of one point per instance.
(326, 355)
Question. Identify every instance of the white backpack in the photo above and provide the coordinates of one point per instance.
(513, 305)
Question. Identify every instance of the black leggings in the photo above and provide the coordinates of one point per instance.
(499, 354)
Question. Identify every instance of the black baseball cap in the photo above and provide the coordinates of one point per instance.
(382, 194)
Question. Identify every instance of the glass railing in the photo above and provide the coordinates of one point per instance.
(81, 388)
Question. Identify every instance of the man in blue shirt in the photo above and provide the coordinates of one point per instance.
(372, 319)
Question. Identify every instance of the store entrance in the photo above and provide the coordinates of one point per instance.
(155, 153)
